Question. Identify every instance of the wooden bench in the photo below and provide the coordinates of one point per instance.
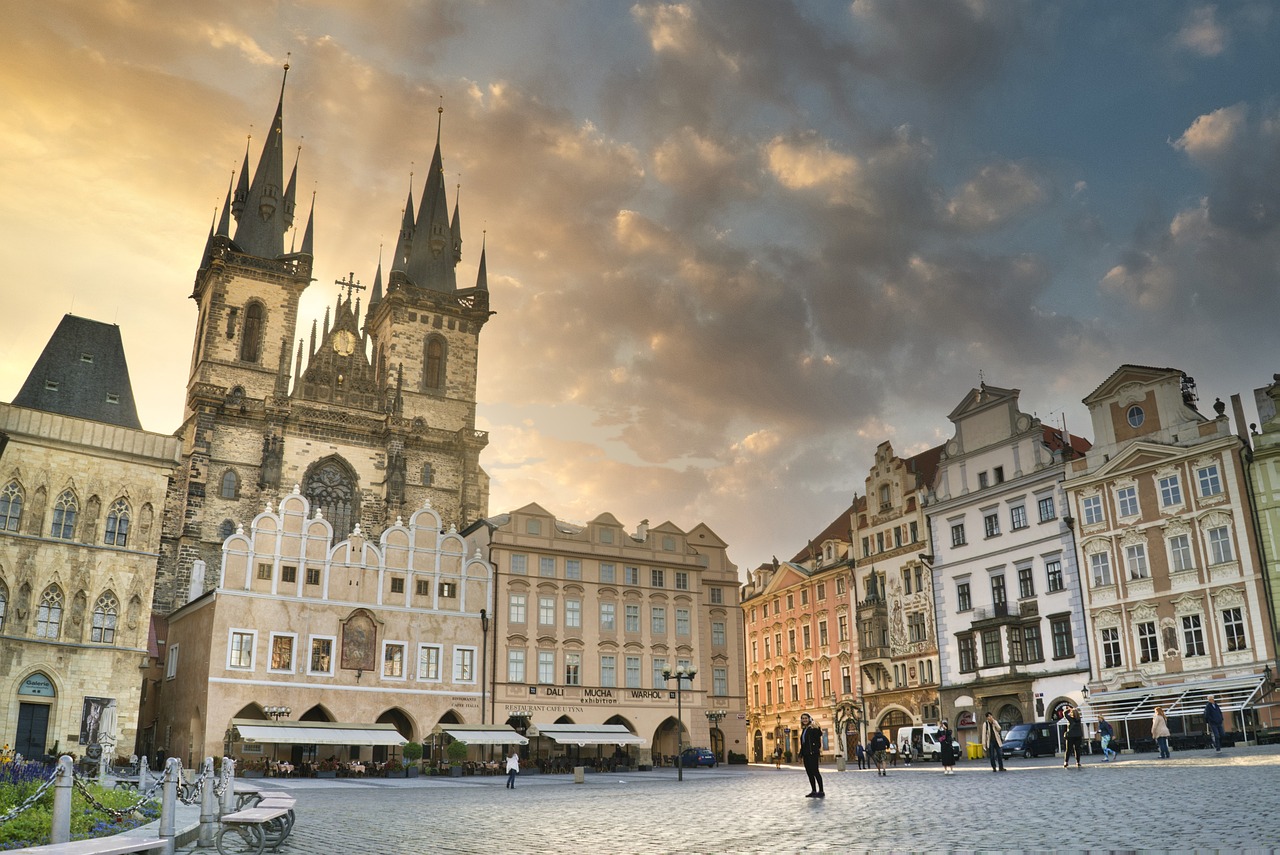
(254, 829)
(117, 845)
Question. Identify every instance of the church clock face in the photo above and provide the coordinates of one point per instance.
(344, 343)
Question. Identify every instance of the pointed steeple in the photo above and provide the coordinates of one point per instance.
(263, 221)
(289, 196)
(430, 266)
(376, 296)
(308, 243)
(482, 276)
(208, 243)
(456, 226)
(400, 261)
(242, 188)
(224, 222)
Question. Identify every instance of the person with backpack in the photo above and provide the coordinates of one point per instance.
(879, 746)
(1075, 734)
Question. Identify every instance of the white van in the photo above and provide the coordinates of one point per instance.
(920, 740)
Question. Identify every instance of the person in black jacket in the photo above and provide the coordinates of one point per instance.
(810, 751)
(1075, 733)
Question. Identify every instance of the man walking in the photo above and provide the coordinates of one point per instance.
(992, 742)
(862, 755)
(513, 769)
(1105, 734)
(810, 751)
(1213, 718)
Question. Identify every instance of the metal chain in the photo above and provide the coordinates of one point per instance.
(33, 798)
(193, 788)
(119, 813)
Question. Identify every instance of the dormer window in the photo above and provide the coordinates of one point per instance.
(1136, 416)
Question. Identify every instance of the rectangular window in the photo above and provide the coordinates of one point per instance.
(1220, 545)
(897, 537)
(915, 531)
(657, 578)
(631, 575)
(1210, 483)
(573, 669)
(607, 574)
(1048, 509)
(429, 657)
(313, 575)
(264, 572)
(547, 611)
(171, 662)
(791, 602)
(608, 617)
(1192, 636)
(916, 627)
(839, 586)
(768, 693)
(804, 596)
(1170, 491)
(282, 647)
(633, 672)
(289, 575)
(795, 688)
(826, 684)
(957, 534)
(866, 547)
(546, 666)
(964, 601)
(997, 592)
(515, 666)
(519, 565)
(822, 633)
(716, 595)
(1035, 647)
(1018, 517)
(1026, 584)
(240, 648)
(984, 480)
(659, 664)
(791, 641)
(573, 568)
(682, 622)
(806, 638)
(632, 615)
(393, 660)
(1092, 510)
(968, 657)
(682, 582)
(608, 671)
(719, 681)
(1111, 648)
(1061, 629)
(906, 581)
(718, 633)
(448, 590)
(846, 679)
(1127, 500)
(422, 588)
(658, 620)
(1180, 552)
(397, 584)
(1135, 556)
(821, 592)
(991, 653)
(321, 655)
(767, 653)
(998, 473)
(1148, 646)
(842, 628)
(573, 614)
(1015, 644)
(1233, 628)
(516, 609)
(879, 541)
(808, 687)
(547, 566)
(1053, 575)
(1100, 565)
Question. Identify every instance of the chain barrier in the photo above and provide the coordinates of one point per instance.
(118, 813)
(189, 794)
(33, 798)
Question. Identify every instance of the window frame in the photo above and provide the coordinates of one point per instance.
(252, 635)
(388, 646)
(311, 653)
(423, 665)
(271, 652)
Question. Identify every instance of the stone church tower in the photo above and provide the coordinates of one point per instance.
(370, 416)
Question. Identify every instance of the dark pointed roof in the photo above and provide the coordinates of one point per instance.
(434, 251)
(482, 276)
(266, 213)
(82, 373)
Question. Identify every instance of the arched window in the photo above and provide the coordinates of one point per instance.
(227, 529)
(4, 603)
(118, 523)
(65, 511)
(251, 340)
(10, 506)
(230, 486)
(427, 474)
(331, 487)
(104, 619)
(433, 374)
(49, 616)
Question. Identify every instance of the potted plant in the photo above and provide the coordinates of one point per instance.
(327, 768)
(412, 753)
(252, 768)
(394, 768)
(457, 754)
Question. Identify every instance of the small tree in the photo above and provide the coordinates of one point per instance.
(457, 751)
(412, 752)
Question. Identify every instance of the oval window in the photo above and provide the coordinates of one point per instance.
(1136, 416)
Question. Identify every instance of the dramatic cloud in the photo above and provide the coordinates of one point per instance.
(1201, 33)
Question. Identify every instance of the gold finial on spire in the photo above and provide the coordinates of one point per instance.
(287, 56)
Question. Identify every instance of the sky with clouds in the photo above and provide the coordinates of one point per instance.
(732, 244)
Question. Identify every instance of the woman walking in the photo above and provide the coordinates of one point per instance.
(1075, 733)
(946, 747)
(1160, 730)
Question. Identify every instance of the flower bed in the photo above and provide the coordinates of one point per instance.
(18, 781)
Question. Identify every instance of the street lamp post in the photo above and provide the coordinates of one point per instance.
(714, 717)
(681, 673)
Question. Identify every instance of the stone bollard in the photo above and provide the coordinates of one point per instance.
(169, 804)
(144, 774)
(579, 774)
(208, 814)
(841, 763)
(228, 785)
(61, 830)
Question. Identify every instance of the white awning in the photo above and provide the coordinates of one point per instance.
(587, 734)
(1233, 694)
(314, 733)
(482, 734)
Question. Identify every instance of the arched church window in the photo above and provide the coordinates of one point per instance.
(65, 511)
(4, 603)
(427, 474)
(10, 506)
(251, 341)
(227, 529)
(331, 487)
(230, 486)
(118, 523)
(49, 615)
(105, 613)
(433, 375)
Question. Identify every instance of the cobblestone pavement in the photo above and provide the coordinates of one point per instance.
(1197, 800)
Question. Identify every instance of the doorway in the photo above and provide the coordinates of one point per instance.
(33, 730)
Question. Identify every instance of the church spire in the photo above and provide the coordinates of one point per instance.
(265, 214)
(224, 222)
(289, 192)
(400, 261)
(308, 248)
(482, 276)
(455, 228)
(430, 266)
(376, 296)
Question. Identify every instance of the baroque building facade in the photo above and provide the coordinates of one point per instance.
(1011, 624)
(587, 617)
(82, 487)
(893, 592)
(1264, 482)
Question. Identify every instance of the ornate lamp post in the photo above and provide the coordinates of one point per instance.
(681, 673)
(277, 713)
(714, 717)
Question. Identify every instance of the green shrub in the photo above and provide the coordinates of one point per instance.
(412, 752)
(457, 751)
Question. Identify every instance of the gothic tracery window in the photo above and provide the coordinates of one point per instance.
(433, 376)
(65, 511)
(331, 488)
(229, 488)
(10, 507)
(104, 619)
(49, 615)
(118, 523)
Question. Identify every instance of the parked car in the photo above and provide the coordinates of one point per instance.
(691, 757)
(1030, 740)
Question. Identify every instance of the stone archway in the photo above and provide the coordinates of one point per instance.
(667, 736)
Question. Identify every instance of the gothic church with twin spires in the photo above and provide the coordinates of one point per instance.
(371, 415)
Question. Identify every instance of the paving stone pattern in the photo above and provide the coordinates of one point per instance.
(1196, 800)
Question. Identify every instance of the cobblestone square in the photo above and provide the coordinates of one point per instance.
(1196, 800)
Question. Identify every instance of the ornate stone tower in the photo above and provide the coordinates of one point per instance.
(370, 419)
